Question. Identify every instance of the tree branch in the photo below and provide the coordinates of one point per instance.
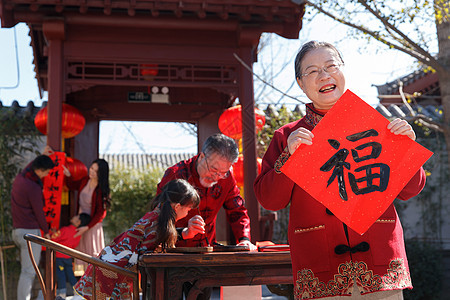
(425, 59)
(265, 82)
(427, 122)
(388, 25)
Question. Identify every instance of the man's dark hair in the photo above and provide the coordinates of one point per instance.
(84, 219)
(42, 162)
(223, 145)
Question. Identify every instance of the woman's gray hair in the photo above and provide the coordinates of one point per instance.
(222, 145)
(306, 48)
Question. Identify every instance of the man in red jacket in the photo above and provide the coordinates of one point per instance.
(209, 172)
(27, 210)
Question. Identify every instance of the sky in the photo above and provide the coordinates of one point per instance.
(364, 68)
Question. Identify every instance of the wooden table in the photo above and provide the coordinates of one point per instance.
(165, 273)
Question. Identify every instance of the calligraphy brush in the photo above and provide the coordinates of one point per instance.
(206, 238)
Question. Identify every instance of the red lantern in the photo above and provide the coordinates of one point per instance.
(149, 70)
(238, 169)
(76, 168)
(72, 121)
(230, 121)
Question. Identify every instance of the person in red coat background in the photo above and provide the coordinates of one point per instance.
(328, 258)
(93, 199)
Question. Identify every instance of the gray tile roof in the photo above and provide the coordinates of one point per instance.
(400, 111)
(424, 85)
(144, 162)
(165, 160)
(17, 112)
(391, 88)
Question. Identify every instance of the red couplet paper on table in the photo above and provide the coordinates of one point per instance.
(52, 190)
(355, 167)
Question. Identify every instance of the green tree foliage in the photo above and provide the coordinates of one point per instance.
(18, 137)
(432, 200)
(132, 191)
(425, 256)
(274, 120)
(425, 264)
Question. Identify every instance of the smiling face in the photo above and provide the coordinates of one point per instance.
(93, 171)
(212, 168)
(322, 88)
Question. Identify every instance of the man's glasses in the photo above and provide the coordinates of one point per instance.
(314, 72)
(214, 172)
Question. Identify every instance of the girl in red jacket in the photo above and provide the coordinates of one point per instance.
(155, 231)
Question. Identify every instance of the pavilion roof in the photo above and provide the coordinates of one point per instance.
(424, 85)
(252, 11)
(283, 17)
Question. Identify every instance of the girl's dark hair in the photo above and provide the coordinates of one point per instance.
(175, 191)
(103, 181)
(306, 48)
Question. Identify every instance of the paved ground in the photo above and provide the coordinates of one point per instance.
(266, 295)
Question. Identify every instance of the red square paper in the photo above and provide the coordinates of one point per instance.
(355, 167)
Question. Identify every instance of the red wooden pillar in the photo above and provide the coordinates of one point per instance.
(85, 148)
(206, 127)
(54, 32)
(86, 144)
(246, 98)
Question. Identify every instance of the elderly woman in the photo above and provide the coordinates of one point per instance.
(376, 270)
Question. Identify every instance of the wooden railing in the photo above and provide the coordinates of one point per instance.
(48, 285)
(2, 261)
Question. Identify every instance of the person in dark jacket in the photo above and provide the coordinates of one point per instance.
(27, 210)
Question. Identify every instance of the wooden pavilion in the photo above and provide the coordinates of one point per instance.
(150, 60)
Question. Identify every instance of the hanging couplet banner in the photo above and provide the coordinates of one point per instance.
(355, 167)
(52, 190)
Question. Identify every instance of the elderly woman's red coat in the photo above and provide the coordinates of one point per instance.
(314, 232)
